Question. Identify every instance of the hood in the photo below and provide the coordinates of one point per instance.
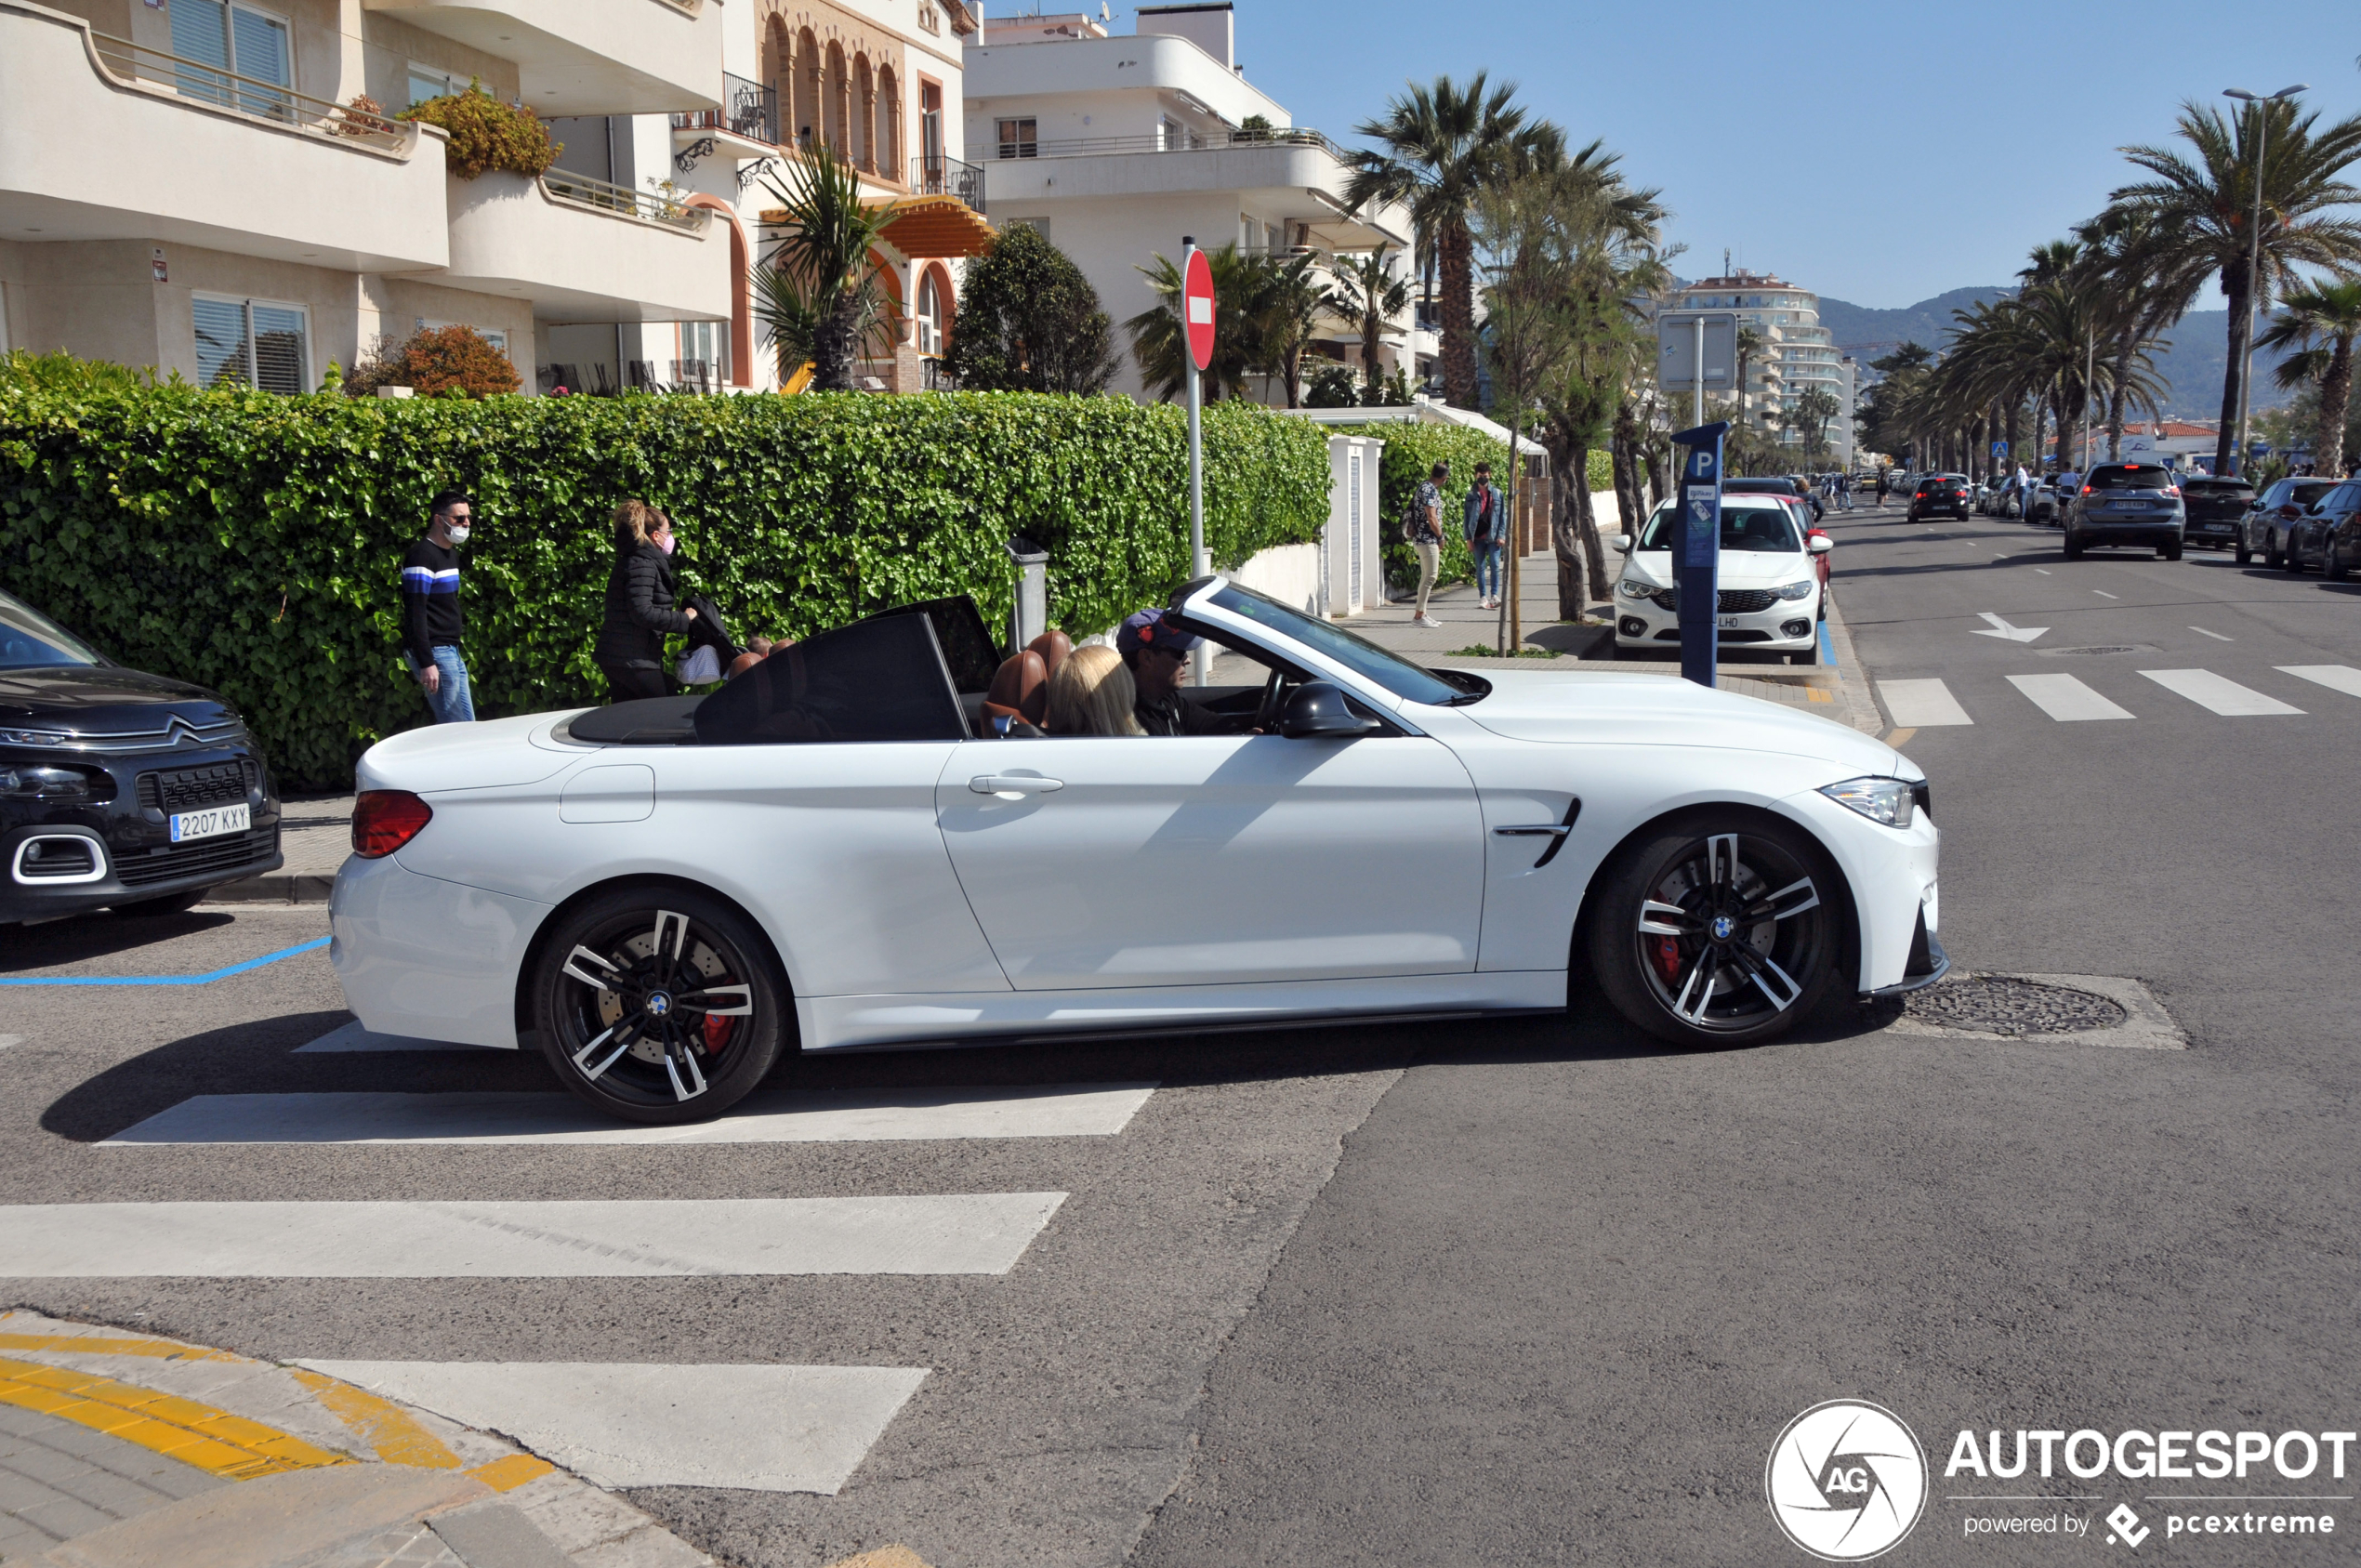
(1617, 708)
(1739, 569)
(103, 699)
(489, 754)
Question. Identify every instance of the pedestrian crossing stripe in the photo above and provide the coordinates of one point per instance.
(2223, 695)
(1927, 702)
(1922, 705)
(2065, 699)
(2336, 677)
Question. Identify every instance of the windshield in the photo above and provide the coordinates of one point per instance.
(30, 640)
(2216, 487)
(2130, 479)
(1756, 526)
(1358, 654)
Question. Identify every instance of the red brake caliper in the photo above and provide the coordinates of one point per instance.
(717, 1034)
(1668, 956)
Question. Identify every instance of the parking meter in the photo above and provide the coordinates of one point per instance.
(1696, 549)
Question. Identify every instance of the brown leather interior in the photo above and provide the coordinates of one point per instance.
(1020, 687)
(1053, 646)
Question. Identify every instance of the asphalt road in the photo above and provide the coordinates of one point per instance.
(1512, 1292)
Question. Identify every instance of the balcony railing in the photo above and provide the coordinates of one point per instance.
(941, 175)
(655, 208)
(1180, 142)
(748, 109)
(246, 94)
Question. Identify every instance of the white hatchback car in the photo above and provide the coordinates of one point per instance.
(1769, 588)
(840, 849)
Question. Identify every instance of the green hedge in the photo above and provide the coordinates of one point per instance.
(252, 543)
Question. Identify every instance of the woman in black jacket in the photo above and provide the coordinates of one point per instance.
(640, 605)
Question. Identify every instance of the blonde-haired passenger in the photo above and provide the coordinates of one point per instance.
(1092, 695)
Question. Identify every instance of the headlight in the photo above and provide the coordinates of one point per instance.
(1800, 590)
(1631, 587)
(24, 781)
(1881, 800)
(35, 737)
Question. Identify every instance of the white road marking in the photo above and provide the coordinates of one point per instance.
(2218, 693)
(7, 1040)
(354, 1037)
(840, 1116)
(965, 1234)
(1922, 705)
(2103, 593)
(2215, 634)
(2001, 628)
(752, 1427)
(2336, 677)
(2064, 698)
(2044, 571)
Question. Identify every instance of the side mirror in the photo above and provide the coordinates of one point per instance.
(1621, 543)
(1819, 544)
(1317, 710)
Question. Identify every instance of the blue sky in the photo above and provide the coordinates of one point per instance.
(1962, 134)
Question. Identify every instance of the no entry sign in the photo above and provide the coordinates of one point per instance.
(1197, 307)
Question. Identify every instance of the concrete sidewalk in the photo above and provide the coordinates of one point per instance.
(315, 835)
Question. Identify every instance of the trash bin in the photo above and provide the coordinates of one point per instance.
(1032, 617)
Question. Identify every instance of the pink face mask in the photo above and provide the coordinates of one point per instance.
(664, 543)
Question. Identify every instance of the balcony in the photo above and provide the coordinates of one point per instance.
(935, 174)
(587, 57)
(746, 127)
(103, 139)
(585, 251)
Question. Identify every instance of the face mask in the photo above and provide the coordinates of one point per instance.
(666, 544)
(459, 531)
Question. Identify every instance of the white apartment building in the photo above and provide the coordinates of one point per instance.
(1117, 146)
(196, 185)
(1800, 351)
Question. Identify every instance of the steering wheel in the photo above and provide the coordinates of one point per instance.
(1266, 713)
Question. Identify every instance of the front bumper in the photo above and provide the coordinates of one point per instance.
(120, 850)
(1788, 625)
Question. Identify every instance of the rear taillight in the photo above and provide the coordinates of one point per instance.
(384, 820)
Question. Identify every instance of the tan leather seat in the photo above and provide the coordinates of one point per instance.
(1053, 646)
(1020, 689)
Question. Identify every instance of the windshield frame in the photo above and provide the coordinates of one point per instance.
(1332, 644)
(1784, 506)
(17, 615)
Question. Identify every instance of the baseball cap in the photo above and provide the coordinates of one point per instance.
(1146, 629)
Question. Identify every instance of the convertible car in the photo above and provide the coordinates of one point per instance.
(842, 849)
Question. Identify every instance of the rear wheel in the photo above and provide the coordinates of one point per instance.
(2169, 552)
(1714, 931)
(2072, 548)
(658, 1004)
(2335, 567)
(2245, 557)
(2293, 560)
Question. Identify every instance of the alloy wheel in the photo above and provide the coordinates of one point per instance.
(1731, 933)
(652, 1007)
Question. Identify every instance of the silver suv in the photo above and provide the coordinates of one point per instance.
(2127, 503)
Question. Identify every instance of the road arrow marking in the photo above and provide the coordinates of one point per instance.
(2002, 628)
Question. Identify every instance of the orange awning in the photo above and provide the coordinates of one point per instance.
(923, 228)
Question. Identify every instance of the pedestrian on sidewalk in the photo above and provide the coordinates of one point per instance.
(1884, 484)
(1485, 529)
(1424, 530)
(639, 606)
(431, 625)
(1844, 491)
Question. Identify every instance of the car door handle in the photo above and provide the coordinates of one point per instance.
(1013, 786)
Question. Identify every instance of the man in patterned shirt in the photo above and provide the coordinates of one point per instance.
(431, 625)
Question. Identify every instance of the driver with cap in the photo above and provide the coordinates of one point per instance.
(1157, 656)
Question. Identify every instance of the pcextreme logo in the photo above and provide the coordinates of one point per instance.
(1846, 1480)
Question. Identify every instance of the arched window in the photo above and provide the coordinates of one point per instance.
(865, 114)
(838, 112)
(933, 335)
(778, 68)
(889, 123)
(811, 126)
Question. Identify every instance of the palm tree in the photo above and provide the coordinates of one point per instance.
(2145, 288)
(1291, 307)
(1368, 294)
(1442, 146)
(2321, 320)
(2203, 203)
(1161, 347)
(820, 297)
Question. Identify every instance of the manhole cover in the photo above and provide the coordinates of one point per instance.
(2108, 648)
(1994, 1005)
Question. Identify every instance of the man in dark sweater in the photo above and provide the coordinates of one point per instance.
(431, 625)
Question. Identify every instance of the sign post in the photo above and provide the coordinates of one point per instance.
(1696, 549)
(1197, 320)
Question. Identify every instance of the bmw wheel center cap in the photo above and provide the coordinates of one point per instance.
(659, 1003)
(1722, 927)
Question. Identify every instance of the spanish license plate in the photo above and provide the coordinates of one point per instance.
(1728, 623)
(2131, 506)
(211, 822)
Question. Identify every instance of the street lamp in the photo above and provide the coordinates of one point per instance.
(2254, 258)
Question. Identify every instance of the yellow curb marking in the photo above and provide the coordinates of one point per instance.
(213, 1441)
(384, 1426)
(1817, 695)
(884, 1557)
(507, 1475)
(88, 1344)
(1901, 737)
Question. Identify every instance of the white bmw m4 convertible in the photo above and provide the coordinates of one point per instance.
(840, 851)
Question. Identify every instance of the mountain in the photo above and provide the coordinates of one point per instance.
(2191, 367)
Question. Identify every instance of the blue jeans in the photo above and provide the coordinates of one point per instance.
(451, 701)
(1487, 562)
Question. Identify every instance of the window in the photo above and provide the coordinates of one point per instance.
(932, 337)
(425, 82)
(929, 20)
(240, 41)
(251, 343)
(706, 344)
(1018, 139)
(1172, 136)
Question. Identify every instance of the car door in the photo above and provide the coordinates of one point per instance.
(1100, 862)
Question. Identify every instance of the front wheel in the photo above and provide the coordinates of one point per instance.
(658, 1004)
(2245, 557)
(2169, 552)
(1715, 931)
(2334, 568)
(2072, 548)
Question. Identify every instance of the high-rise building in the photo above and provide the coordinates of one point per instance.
(1797, 352)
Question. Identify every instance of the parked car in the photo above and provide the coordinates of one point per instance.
(2264, 529)
(1770, 586)
(2215, 509)
(1987, 491)
(2047, 509)
(2126, 504)
(1780, 484)
(1940, 492)
(118, 790)
(837, 851)
(2328, 535)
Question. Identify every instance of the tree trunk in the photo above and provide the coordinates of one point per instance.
(1370, 327)
(2012, 426)
(2120, 395)
(1621, 464)
(2233, 285)
(1452, 245)
(1587, 534)
(832, 344)
(2040, 416)
(2336, 400)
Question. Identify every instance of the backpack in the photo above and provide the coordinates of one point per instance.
(1413, 520)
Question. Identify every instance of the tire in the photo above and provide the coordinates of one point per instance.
(2273, 556)
(2335, 567)
(1763, 883)
(2072, 548)
(2245, 557)
(681, 1062)
(2291, 560)
(171, 904)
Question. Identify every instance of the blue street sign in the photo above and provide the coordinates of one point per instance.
(1999, 449)
(1696, 548)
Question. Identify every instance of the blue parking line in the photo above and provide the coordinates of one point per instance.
(1828, 645)
(169, 980)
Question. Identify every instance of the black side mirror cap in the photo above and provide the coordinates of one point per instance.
(1317, 710)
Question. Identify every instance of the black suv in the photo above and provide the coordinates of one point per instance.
(2264, 530)
(2216, 508)
(1941, 492)
(2126, 504)
(118, 789)
(2328, 535)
